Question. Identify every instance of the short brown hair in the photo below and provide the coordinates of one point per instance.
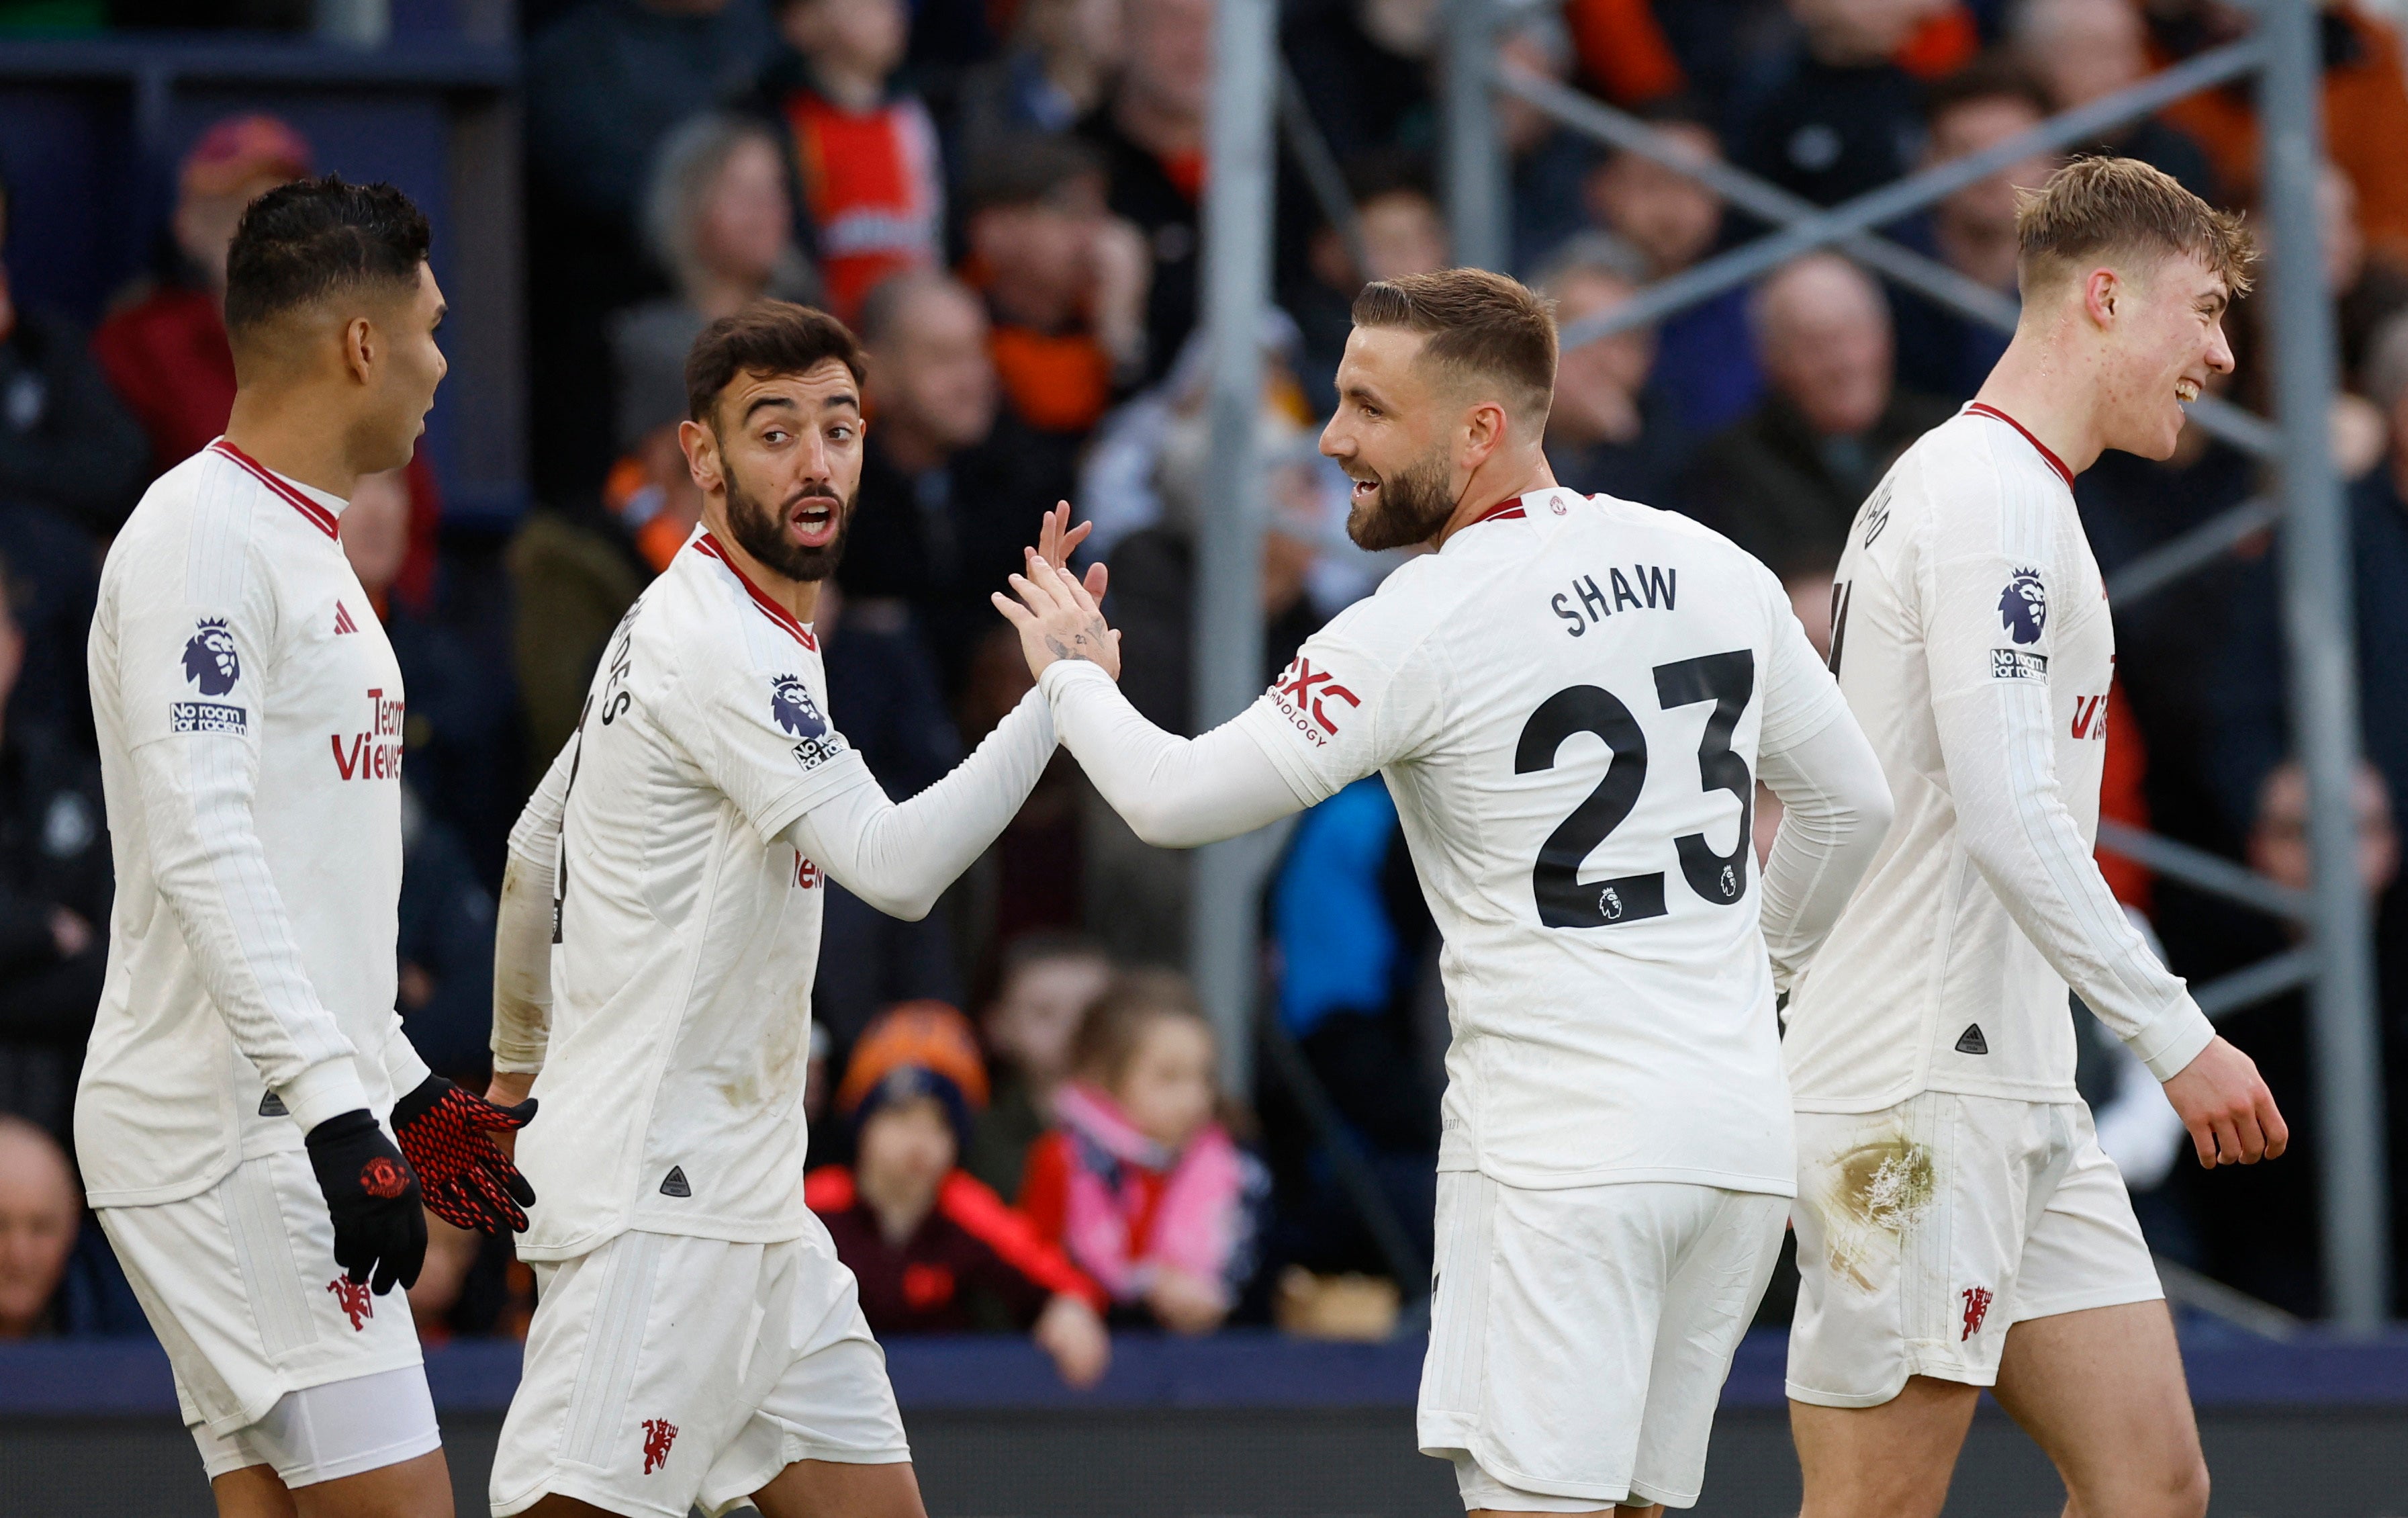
(1481, 326)
(1113, 1028)
(2107, 205)
(767, 337)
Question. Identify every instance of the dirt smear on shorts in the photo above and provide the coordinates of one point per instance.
(1877, 1190)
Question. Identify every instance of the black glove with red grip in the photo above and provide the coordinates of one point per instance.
(469, 1183)
(372, 1198)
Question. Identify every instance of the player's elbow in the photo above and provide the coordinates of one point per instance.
(1162, 827)
(1875, 811)
(903, 901)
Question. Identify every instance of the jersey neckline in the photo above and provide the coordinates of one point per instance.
(1504, 510)
(708, 546)
(320, 517)
(1983, 408)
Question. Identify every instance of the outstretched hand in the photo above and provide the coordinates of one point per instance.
(1056, 539)
(1059, 618)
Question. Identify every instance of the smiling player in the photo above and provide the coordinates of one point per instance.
(1957, 1223)
(697, 1340)
(1572, 699)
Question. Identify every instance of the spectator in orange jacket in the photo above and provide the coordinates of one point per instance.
(932, 1248)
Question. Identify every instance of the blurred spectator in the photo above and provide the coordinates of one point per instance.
(1403, 232)
(460, 707)
(1548, 161)
(66, 446)
(1358, 952)
(574, 571)
(41, 1209)
(2082, 49)
(1610, 433)
(717, 218)
(1064, 280)
(1046, 985)
(1364, 68)
(1940, 352)
(55, 889)
(933, 1249)
(165, 347)
(2278, 836)
(1705, 357)
(605, 83)
(2367, 291)
(1626, 55)
(1785, 482)
(865, 152)
(1144, 1188)
(1844, 118)
(1151, 133)
(2365, 107)
(952, 486)
(1060, 63)
(884, 689)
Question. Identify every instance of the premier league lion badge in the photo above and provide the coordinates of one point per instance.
(211, 660)
(2023, 606)
(791, 703)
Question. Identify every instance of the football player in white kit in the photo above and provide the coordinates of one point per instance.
(1572, 699)
(247, 1062)
(1959, 1225)
(697, 1341)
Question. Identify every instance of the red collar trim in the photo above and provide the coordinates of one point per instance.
(1981, 408)
(1504, 510)
(320, 518)
(709, 545)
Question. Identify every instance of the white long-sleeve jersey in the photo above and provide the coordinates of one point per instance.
(1571, 702)
(684, 834)
(1970, 635)
(250, 716)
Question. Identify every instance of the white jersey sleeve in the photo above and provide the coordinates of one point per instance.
(523, 927)
(1835, 803)
(774, 760)
(1173, 793)
(196, 764)
(1365, 692)
(900, 859)
(1988, 638)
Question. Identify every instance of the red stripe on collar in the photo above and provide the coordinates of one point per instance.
(1504, 510)
(709, 545)
(1983, 408)
(320, 518)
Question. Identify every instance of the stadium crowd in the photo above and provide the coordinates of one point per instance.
(1017, 1121)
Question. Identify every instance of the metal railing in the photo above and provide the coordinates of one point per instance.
(1250, 89)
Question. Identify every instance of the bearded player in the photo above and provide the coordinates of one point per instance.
(697, 1341)
(1572, 699)
(248, 1077)
(1959, 1225)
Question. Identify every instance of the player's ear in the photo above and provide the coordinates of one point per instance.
(2100, 292)
(359, 347)
(701, 447)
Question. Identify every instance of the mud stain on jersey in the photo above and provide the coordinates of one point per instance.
(1879, 1190)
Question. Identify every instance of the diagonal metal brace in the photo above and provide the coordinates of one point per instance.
(2202, 871)
(1769, 202)
(1888, 204)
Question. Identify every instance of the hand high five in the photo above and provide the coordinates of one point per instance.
(1057, 616)
(1056, 539)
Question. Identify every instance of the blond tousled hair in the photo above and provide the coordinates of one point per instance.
(2102, 206)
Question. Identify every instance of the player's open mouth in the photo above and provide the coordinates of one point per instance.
(2186, 390)
(1365, 490)
(814, 523)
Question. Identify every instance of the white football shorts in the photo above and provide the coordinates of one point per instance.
(1927, 1230)
(1579, 1338)
(666, 1372)
(240, 1284)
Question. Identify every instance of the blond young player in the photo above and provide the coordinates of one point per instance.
(255, 1128)
(697, 1341)
(1572, 699)
(1959, 1225)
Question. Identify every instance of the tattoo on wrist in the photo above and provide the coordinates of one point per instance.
(1062, 650)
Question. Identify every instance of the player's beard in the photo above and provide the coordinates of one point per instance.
(1411, 505)
(762, 531)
